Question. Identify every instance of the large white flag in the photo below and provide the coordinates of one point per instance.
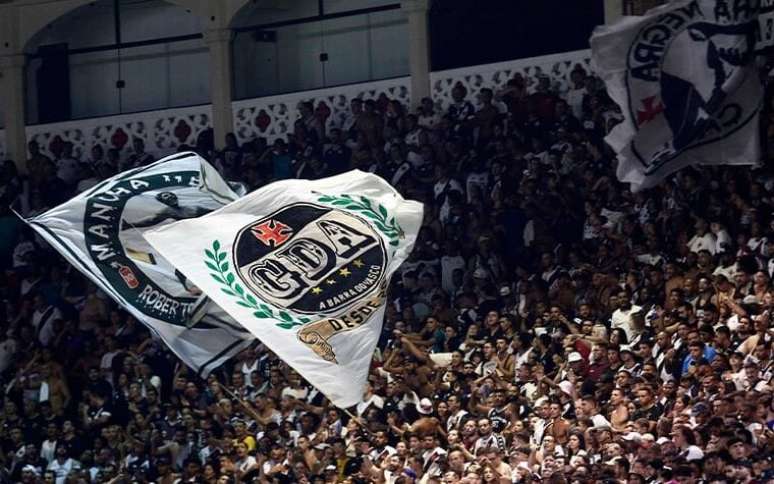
(304, 265)
(685, 79)
(100, 233)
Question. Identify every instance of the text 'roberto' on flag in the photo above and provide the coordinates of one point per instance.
(100, 232)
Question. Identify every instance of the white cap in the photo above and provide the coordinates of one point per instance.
(566, 387)
(633, 437)
(425, 406)
(480, 273)
(573, 357)
(156, 382)
(694, 453)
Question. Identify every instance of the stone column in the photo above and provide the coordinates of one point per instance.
(419, 48)
(219, 43)
(614, 9)
(12, 94)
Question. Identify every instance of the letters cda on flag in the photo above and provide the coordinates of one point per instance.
(304, 265)
(100, 232)
(685, 79)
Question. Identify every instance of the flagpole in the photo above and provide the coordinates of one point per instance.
(358, 421)
(241, 402)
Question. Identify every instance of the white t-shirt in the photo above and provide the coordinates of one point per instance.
(245, 464)
(48, 450)
(374, 400)
(722, 241)
(703, 242)
(62, 470)
(432, 460)
(623, 319)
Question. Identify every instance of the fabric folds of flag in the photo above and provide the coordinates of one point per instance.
(100, 232)
(304, 265)
(685, 79)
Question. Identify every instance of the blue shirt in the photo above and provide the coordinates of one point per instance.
(709, 355)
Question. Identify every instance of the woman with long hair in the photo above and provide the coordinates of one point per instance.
(576, 444)
(490, 475)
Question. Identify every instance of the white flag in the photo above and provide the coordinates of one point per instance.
(100, 233)
(304, 265)
(684, 78)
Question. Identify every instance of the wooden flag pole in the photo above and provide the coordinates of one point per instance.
(357, 419)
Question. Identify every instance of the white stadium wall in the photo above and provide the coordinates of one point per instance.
(156, 76)
(360, 48)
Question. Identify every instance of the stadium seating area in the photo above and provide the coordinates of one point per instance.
(550, 326)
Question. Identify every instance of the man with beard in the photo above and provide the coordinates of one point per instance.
(487, 437)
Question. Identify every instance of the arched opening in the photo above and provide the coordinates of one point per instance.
(75, 65)
(295, 45)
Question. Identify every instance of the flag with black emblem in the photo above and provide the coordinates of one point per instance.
(100, 232)
(304, 265)
(685, 79)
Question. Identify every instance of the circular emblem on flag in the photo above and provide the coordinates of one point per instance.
(690, 79)
(114, 220)
(310, 259)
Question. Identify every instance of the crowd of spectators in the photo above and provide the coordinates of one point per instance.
(550, 326)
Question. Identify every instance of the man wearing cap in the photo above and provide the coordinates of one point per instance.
(577, 365)
(509, 300)
(590, 409)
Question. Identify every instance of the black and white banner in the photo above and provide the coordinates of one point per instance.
(685, 79)
(101, 231)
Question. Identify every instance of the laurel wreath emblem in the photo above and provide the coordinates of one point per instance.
(374, 211)
(217, 263)
(221, 273)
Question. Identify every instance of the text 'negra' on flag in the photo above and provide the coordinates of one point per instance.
(685, 79)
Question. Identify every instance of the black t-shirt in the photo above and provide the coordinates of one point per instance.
(498, 418)
(97, 413)
(653, 413)
(337, 156)
(100, 387)
(34, 429)
(75, 446)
